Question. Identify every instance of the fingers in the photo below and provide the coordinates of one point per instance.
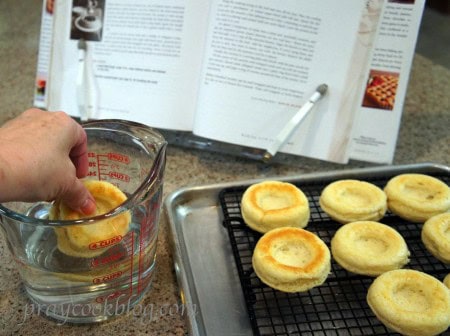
(88, 207)
(78, 153)
(53, 157)
(83, 202)
(79, 199)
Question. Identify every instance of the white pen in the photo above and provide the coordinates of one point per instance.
(86, 85)
(295, 121)
(91, 90)
(81, 82)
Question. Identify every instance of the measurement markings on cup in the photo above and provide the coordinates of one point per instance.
(103, 166)
(118, 269)
(109, 165)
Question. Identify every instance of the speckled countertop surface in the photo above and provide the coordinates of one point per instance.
(424, 137)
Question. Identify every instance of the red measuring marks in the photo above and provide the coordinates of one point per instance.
(108, 166)
(119, 263)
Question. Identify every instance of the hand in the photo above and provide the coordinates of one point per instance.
(42, 156)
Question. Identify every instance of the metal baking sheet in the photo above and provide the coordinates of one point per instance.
(203, 258)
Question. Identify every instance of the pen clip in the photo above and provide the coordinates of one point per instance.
(86, 85)
(81, 80)
(294, 122)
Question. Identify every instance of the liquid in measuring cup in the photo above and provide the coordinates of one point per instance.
(118, 269)
(76, 289)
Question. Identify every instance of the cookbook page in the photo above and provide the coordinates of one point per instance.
(355, 83)
(45, 44)
(146, 57)
(264, 59)
(381, 102)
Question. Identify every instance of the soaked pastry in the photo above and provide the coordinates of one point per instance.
(410, 302)
(271, 204)
(87, 241)
(369, 248)
(436, 236)
(348, 201)
(291, 259)
(417, 197)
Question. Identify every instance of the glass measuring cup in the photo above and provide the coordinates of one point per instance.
(111, 274)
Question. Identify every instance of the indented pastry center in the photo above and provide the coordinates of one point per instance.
(419, 192)
(370, 245)
(274, 202)
(411, 299)
(357, 198)
(294, 254)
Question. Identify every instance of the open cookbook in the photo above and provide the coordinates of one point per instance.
(236, 71)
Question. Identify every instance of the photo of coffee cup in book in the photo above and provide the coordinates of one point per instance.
(87, 20)
(78, 11)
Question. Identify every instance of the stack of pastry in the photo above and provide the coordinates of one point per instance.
(436, 238)
(352, 200)
(410, 302)
(271, 204)
(287, 257)
(369, 248)
(417, 197)
(291, 259)
(446, 280)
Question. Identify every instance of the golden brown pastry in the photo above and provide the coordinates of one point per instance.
(410, 302)
(87, 241)
(446, 280)
(291, 259)
(369, 248)
(348, 201)
(417, 197)
(436, 236)
(272, 204)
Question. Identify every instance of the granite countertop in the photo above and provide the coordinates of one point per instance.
(424, 137)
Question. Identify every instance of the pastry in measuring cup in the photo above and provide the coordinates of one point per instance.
(84, 241)
(350, 200)
(291, 259)
(417, 197)
(272, 204)
(410, 302)
(369, 248)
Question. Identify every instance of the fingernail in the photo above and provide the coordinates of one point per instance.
(88, 207)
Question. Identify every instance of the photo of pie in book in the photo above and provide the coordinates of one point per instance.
(381, 90)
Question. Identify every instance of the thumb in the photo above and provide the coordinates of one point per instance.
(78, 198)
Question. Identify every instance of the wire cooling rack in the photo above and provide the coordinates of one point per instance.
(339, 306)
